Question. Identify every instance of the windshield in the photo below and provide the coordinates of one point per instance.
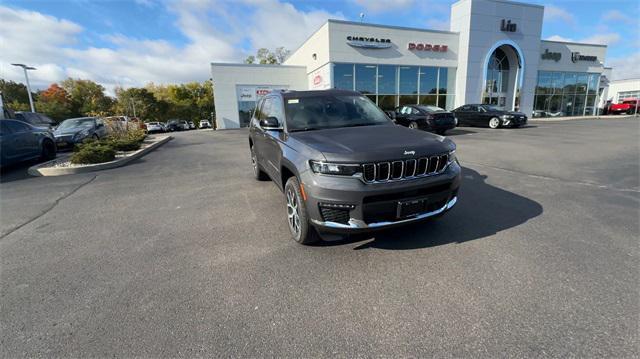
(428, 108)
(77, 122)
(331, 111)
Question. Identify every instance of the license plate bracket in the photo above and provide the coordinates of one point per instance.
(410, 208)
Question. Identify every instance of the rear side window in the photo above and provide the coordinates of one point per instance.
(16, 126)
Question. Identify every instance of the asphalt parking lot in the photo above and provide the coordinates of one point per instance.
(182, 253)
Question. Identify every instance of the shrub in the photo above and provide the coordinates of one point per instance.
(93, 152)
(124, 144)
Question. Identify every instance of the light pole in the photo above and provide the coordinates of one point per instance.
(25, 68)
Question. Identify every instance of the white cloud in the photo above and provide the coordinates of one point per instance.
(554, 13)
(618, 16)
(376, 6)
(625, 67)
(437, 24)
(215, 32)
(602, 39)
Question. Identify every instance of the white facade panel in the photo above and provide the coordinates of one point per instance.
(228, 79)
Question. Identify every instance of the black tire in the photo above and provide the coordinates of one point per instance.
(48, 150)
(95, 136)
(441, 132)
(258, 173)
(297, 218)
(413, 125)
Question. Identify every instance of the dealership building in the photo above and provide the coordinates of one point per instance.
(492, 54)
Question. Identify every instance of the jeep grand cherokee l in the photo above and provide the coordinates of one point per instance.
(345, 167)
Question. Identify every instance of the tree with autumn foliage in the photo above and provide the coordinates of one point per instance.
(55, 102)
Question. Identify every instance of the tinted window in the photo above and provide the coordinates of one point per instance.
(366, 79)
(16, 126)
(343, 76)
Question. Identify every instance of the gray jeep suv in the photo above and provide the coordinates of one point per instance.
(344, 167)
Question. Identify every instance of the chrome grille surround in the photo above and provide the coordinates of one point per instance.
(408, 169)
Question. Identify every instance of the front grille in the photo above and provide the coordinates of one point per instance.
(402, 169)
(335, 215)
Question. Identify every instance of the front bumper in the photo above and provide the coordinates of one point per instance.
(373, 206)
(514, 122)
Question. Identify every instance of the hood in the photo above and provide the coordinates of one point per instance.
(70, 130)
(373, 143)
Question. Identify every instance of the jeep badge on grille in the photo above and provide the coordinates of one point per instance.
(409, 152)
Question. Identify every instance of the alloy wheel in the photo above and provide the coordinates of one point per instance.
(413, 125)
(293, 213)
(254, 161)
(494, 122)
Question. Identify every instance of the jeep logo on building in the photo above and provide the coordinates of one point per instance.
(547, 55)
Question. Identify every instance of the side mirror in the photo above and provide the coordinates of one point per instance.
(391, 114)
(270, 123)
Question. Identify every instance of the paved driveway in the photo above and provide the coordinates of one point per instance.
(182, 254)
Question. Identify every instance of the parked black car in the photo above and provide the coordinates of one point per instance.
(488, 115)
(173, 125)
(424, 117)
(345, 167)
(21, 141)
(34, 119)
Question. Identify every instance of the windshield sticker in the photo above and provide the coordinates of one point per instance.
(293, 100)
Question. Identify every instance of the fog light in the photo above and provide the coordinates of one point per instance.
(338, 205)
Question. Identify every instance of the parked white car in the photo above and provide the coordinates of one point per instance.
(204, 124)
(154, 127)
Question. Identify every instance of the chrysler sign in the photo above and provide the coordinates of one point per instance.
(427, 47)
(368, 42)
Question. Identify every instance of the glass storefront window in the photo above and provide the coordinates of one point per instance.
(408, 80)
(569, 83)
(343, 76)
(581, 83)
(566, 93)
(428, 80)
(387, 102)
(366, 79)
(387, 79)
(429, 100)
(408, 100)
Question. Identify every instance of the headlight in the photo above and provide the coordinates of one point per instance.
(334, 168)
(507, 116)
(452, 156)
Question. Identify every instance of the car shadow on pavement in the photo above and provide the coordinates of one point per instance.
(16, 172)
(458, 132)
(482, 211)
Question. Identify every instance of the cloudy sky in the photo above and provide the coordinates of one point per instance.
(131, 43)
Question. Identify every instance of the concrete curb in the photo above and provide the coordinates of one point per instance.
(553, 119)
(42, 169)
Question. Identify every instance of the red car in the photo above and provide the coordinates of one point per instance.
(627, 105)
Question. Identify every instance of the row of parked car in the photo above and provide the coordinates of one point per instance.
(435, 119)
(176, 125)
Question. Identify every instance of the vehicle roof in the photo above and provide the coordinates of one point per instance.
(315, 93)
(82, 118)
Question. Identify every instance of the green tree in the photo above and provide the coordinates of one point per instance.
(87, 97)
(137, 102)
(15, 95)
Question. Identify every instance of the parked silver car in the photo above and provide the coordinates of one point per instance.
(76, 130)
